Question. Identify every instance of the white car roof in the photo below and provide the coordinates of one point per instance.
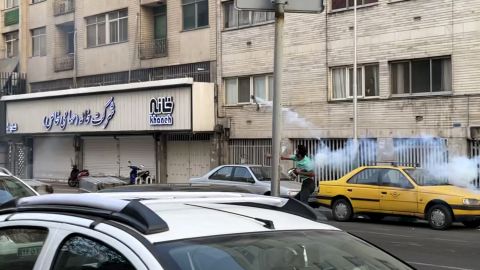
(183, 215)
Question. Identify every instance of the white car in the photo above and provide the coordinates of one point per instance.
(254, 178)
(178, 231)
(12, 187)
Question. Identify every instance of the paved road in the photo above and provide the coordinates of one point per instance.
(417, 244)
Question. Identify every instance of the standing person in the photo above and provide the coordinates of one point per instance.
(305, 169)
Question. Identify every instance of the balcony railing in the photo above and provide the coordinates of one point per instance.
(63, 63)
(61, 7)
(10, 16)
(13, 83)
(152, 49)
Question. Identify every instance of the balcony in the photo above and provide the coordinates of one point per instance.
(13, 83)
(10, 17)
(64, 63)
(61, 7)
(152, 49)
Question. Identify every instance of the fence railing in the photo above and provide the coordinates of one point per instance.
(13, 83)
(61, 7)
(152, 49)
(63, 63)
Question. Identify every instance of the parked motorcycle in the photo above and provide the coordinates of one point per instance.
(138, 175)
(75, 175)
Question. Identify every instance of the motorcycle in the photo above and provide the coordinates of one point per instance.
(138, 175)
(75, 175)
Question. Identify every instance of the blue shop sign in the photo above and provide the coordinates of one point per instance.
(161, 110)
(85, 118)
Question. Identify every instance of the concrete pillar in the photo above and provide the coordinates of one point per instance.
(457, 147)
(385, 150)
(161, 156)
(216, 150)
(78, 146)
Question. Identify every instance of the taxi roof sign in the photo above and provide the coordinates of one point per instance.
(291, 6)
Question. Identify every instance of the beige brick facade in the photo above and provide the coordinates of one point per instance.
(387, 31)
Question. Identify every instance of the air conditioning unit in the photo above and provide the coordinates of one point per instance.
(473, 132)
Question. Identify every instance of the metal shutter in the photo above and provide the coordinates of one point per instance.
(140, 150)
(53, 157)
(100, 156)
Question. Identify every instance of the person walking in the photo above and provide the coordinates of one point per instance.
(304, 168)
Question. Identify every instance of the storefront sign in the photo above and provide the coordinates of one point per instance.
(85, 118)
(12, 128)
(161, 110)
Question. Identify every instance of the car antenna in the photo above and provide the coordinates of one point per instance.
(268, 223)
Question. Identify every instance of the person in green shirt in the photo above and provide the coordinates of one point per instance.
(305, 169)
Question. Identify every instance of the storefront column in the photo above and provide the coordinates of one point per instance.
(78, 145)
(161, 156)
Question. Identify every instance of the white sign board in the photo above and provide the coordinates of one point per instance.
(292, 6)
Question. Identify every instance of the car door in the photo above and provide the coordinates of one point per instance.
(79, 248)
(397, 194)
(362, 190)
(22, 243)
(243, 178)
(222, 176)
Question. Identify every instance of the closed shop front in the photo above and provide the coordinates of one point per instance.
(53, 157)
(117, 124)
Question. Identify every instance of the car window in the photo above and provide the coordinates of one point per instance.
(394, 178)
(241, 174)
(12, 188)
(276, 250)
(82, 253)
(224, 173)
(365, 177)
(20, 247)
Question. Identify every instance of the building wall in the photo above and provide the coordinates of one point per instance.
(183, 46)
(387, 31)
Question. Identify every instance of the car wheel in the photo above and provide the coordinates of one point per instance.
(439, 217)
(267, 193)
(472, 224)
(342, 210)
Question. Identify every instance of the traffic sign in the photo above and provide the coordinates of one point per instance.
(292, 6)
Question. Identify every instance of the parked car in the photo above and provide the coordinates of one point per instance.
(177, 230)
(12, 187)
(405, 191)
(255, 178)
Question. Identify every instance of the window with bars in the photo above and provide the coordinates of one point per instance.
(238, 90)
(367, 81)
(195, 14)
(39, 41)
(234, 18)
(348, 4)
(107, 28)
(421, 76)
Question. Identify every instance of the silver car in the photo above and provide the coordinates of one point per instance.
(254, 178)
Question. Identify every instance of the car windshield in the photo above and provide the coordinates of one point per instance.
(322, 250)
(425, 178)
(265, 173)
(11, 188)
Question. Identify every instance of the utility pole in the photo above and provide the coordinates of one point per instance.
(277, 95)
(355, 74)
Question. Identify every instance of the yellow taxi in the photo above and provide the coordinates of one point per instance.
(379, 191)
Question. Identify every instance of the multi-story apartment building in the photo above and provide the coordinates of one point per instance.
(417, 76)
(115, 57)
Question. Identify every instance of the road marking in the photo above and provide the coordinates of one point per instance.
(441, 266)
(389, 234)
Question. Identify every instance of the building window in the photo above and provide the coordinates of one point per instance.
(421, 76)
(11, 4)
(234, 18)
(39, 42)
(348, 4)
(11, 44)
(195, 14)
(367, 82)
(239, 90)
(107, 28)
